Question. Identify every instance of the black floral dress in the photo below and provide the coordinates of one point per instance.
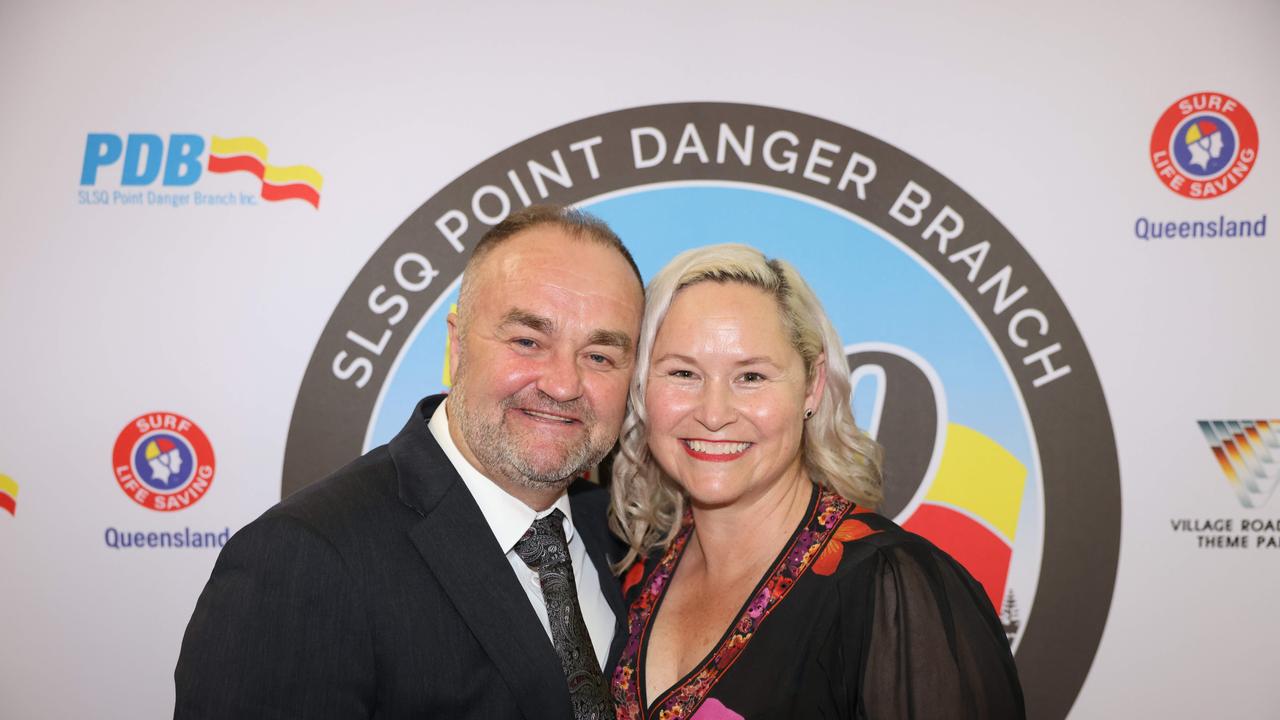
(856, 618)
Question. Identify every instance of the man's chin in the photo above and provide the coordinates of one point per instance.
(550, 472)
(544, 482)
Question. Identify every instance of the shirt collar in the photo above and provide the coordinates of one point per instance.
(508, 517)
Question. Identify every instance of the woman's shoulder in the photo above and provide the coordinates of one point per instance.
(923, 628)
(866, 542)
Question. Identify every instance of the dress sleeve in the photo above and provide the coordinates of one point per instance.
(930, 643)
(279, 632)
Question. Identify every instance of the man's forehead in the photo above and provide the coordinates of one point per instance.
(546, 243)
(558, 247)
(549, 258)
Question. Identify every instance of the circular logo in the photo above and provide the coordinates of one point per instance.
(163, 461)
(965, 363)
(1204, 145)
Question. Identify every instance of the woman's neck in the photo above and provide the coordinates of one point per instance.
(731, 540)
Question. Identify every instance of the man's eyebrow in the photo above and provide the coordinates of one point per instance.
(611, 338)
(537, 323)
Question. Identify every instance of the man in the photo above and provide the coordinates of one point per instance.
(448, 574)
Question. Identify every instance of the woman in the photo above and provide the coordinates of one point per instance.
(760, 583)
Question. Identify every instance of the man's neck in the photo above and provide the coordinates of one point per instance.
(538, 499)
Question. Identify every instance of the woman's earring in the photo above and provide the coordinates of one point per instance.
(808, 413)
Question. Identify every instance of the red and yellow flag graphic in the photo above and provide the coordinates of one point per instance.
(8, 494)
(973, 506)
(248, 154)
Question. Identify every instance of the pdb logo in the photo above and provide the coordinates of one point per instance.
(142, 157)
(141, 160)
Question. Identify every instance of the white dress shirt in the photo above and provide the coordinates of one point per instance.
(509, 519)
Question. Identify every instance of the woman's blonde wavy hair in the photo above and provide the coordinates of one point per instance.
(647, 504)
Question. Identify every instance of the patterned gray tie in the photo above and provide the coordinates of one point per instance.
(545, 551)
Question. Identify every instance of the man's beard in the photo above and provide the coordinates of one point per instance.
(498, 452)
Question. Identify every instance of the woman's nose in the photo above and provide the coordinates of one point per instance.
(715, 407)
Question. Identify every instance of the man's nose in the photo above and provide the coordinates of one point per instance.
(716, 407)
(561, 378)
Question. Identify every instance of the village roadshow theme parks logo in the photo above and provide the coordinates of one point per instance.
(1247, 453)
(966, 365)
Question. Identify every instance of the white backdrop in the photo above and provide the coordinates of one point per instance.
(1045, 116)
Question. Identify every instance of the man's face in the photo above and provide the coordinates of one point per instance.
(542, 359)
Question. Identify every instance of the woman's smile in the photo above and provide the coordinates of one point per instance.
(715, 450)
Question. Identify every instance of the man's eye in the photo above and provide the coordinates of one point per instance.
(525, 343)
(600, 359)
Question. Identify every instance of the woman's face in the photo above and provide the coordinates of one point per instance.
(726, 395)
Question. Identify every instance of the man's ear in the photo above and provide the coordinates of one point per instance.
(455, 346)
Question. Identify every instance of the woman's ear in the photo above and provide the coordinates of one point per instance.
(816, 384)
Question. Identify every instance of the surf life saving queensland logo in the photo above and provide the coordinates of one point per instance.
(966, 365)
(1203, 146)
(147, 170)
(163, 461)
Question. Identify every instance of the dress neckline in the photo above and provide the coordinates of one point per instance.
(824, 510)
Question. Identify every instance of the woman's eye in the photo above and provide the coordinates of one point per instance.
(684, 374)
(752, 377)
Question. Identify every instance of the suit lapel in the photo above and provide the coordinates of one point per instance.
(458, 545)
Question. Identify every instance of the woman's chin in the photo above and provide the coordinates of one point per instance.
(716, 492)
(709, 495)
(713, 502)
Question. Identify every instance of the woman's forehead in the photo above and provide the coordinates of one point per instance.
(719, 318)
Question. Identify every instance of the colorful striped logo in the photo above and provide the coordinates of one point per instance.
(1248, 451)
(247, 154)
(971, 510)
(8, 494)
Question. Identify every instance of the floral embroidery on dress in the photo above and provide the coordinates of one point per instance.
(685, 699)
(633, 576)
(848, 531)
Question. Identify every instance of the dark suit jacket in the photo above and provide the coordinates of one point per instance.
(380, 592)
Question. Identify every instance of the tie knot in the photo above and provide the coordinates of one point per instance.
(544, 545)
